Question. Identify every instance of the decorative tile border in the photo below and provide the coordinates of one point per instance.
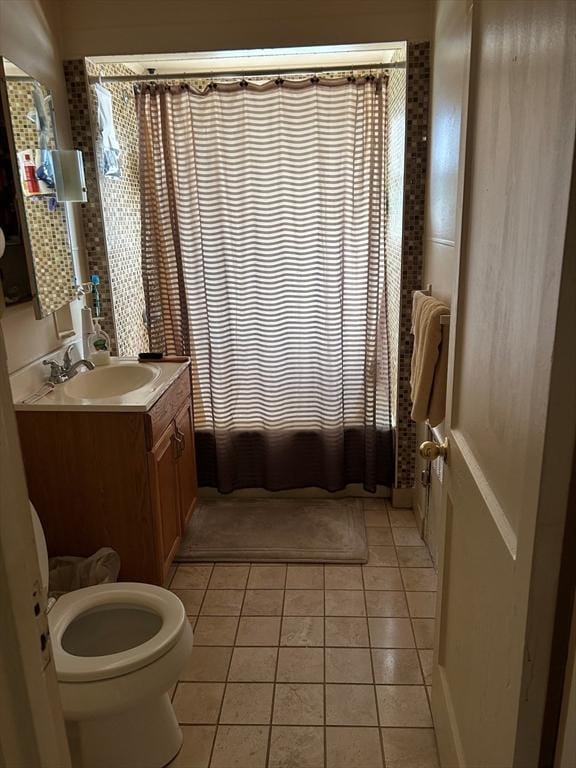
(417, 98)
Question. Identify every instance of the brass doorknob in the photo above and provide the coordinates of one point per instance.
(431, 450)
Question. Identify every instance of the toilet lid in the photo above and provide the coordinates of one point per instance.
(114, 629)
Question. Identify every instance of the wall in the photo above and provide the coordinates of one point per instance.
(28, 37)
(450, 53)
(148, 26)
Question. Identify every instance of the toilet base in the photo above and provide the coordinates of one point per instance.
(146, 736)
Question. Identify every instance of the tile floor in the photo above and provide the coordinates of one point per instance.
(312, 666)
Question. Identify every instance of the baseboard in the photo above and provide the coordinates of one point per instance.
(402, 498)
(418, 514)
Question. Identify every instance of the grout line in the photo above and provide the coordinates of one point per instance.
(374, 690)
(227, 673)
(275, 681)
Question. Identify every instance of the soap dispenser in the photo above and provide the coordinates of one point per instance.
(99, 345)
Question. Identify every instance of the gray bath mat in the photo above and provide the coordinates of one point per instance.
(276, 530)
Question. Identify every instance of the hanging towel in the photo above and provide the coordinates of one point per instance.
(109, 142)
(429, 359)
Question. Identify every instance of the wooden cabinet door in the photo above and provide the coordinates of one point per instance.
(187, 482)
(163, 471)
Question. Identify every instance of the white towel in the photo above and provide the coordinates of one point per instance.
(109, 142)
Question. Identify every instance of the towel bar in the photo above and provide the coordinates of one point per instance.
(444, 319)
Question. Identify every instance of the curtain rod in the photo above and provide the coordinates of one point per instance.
(260, 73)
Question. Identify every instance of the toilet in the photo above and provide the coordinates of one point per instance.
(118, 649)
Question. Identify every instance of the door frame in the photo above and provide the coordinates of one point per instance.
(32, 731)
(546, 628)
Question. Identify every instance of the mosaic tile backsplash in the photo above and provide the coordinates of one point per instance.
(92, 217)
(47, 229)
(120, 199)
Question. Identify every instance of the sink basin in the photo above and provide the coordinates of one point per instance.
(111, 381)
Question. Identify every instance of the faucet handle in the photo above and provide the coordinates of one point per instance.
(55, 369)
(67, 359)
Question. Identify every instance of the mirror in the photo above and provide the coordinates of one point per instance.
(37, 264)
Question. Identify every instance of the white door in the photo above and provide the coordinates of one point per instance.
(511, 403)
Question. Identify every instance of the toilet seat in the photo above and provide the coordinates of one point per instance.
(71, 668)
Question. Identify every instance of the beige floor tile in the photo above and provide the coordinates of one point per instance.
(305, 577)
(345, 602)
(396, 666)
(229, 576)
(215, 630)
(427, 661)
(350, 705)
(302, 630)
(382, 578)
(353, 748)
(422, 605)
(258, 630)
(390, 633)
(263, 602)
(406, 537)
(414, 557)
(348, 665)
(247, 704)
(198, 703)
(343, 577)
(346, 632)
(222, 602)
(382, 556)
(420, 579)
(240, 746)
(410, 748)
(207, 664)
(304, 602)
(298, 704)
(267, 577)
(429, 694)
(253, 665)
(191, 577)
(376, 516)
(300, 665)
(386, 603)
(380, 537)
(296, 747)
(191, 600)
(401, 518)
(424, 632)
(196, 746)
(403, 706)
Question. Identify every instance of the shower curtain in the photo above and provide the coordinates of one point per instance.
(263, 213)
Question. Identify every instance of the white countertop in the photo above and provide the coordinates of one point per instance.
(141, 399)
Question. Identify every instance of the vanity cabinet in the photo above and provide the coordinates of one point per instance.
(125, 480)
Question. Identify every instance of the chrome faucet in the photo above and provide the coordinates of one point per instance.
(61, 372)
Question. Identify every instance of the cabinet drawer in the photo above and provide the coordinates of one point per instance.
(161, 414)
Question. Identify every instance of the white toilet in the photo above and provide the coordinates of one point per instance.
(118, 649)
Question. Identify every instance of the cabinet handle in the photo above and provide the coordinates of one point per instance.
(175, 447)
(181, 441)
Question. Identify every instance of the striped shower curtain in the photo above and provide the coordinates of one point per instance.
(263, 212)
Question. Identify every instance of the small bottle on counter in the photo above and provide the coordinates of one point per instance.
(99, 345)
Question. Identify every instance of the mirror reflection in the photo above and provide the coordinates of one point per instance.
(38, 260)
